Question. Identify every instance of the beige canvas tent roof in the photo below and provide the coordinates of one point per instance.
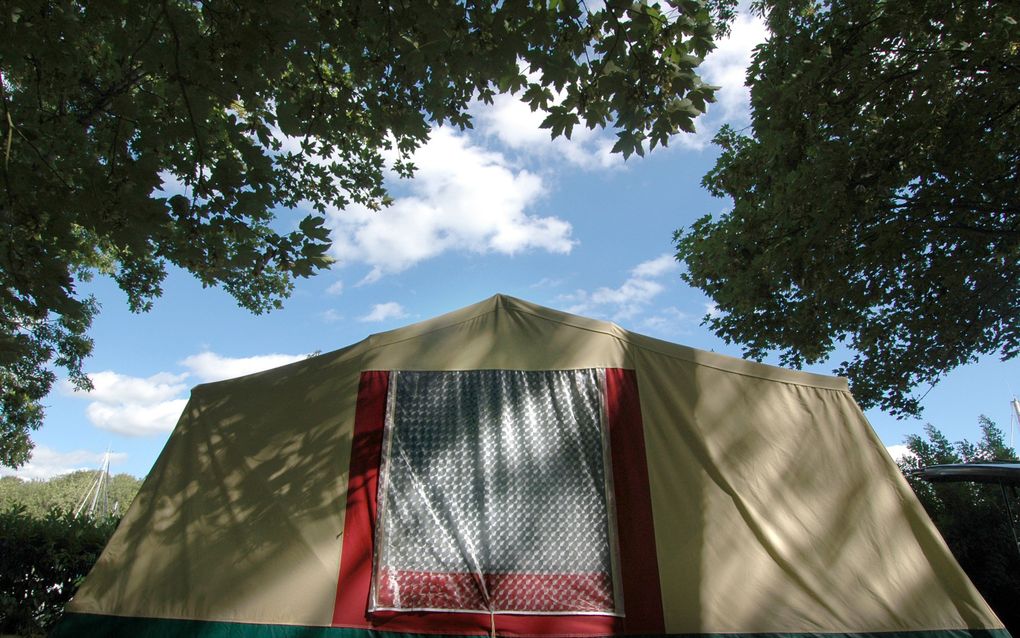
(720, 497)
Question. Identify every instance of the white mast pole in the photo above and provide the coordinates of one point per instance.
(1016, 414)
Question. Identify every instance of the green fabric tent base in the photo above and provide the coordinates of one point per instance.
(74, 625)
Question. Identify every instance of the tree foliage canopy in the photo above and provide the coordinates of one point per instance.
(137, 134)
(972, 517)
(876, 197)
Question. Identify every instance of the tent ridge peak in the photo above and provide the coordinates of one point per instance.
(502, 303)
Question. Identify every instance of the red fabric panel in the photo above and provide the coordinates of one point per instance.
(518, 591)
(362, 488)
(639, 563)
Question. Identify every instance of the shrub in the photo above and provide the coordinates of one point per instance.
(43, 560)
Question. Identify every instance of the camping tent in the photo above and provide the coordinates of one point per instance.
(510, 469)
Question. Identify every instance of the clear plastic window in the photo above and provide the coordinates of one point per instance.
(495, 494)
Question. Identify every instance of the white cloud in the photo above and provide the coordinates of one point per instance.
(47, 463)
(656, 267)
(468, 198)
(209, 366)
(628, 299)
(668, 321)
(331, 316)
(635, 290)
(548, 282)
(898, 452)
(726, 67)
(384, 311)
(373, 276)
(514, 124)
(133, 406)
(111, 387)
(136, 419)
(336, 288)
(712, 310)
(463, 198)
(142, 406)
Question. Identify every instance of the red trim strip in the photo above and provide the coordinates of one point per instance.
(639, 565)
(362, 487)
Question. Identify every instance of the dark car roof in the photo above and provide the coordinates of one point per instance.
(1008, 473)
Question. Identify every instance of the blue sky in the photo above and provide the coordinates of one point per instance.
(500, 209)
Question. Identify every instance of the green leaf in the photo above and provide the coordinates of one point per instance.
(873, 196)
(186, 136)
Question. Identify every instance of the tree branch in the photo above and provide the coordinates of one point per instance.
(187, 104)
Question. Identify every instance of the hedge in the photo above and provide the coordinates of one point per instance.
(42, 562)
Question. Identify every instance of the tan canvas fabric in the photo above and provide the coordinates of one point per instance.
(776, 507)
(239, 517)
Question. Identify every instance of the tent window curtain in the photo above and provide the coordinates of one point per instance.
(495, 494)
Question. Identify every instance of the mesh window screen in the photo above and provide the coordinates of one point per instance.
(493, 494)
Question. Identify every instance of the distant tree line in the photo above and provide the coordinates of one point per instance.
(65, 492)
